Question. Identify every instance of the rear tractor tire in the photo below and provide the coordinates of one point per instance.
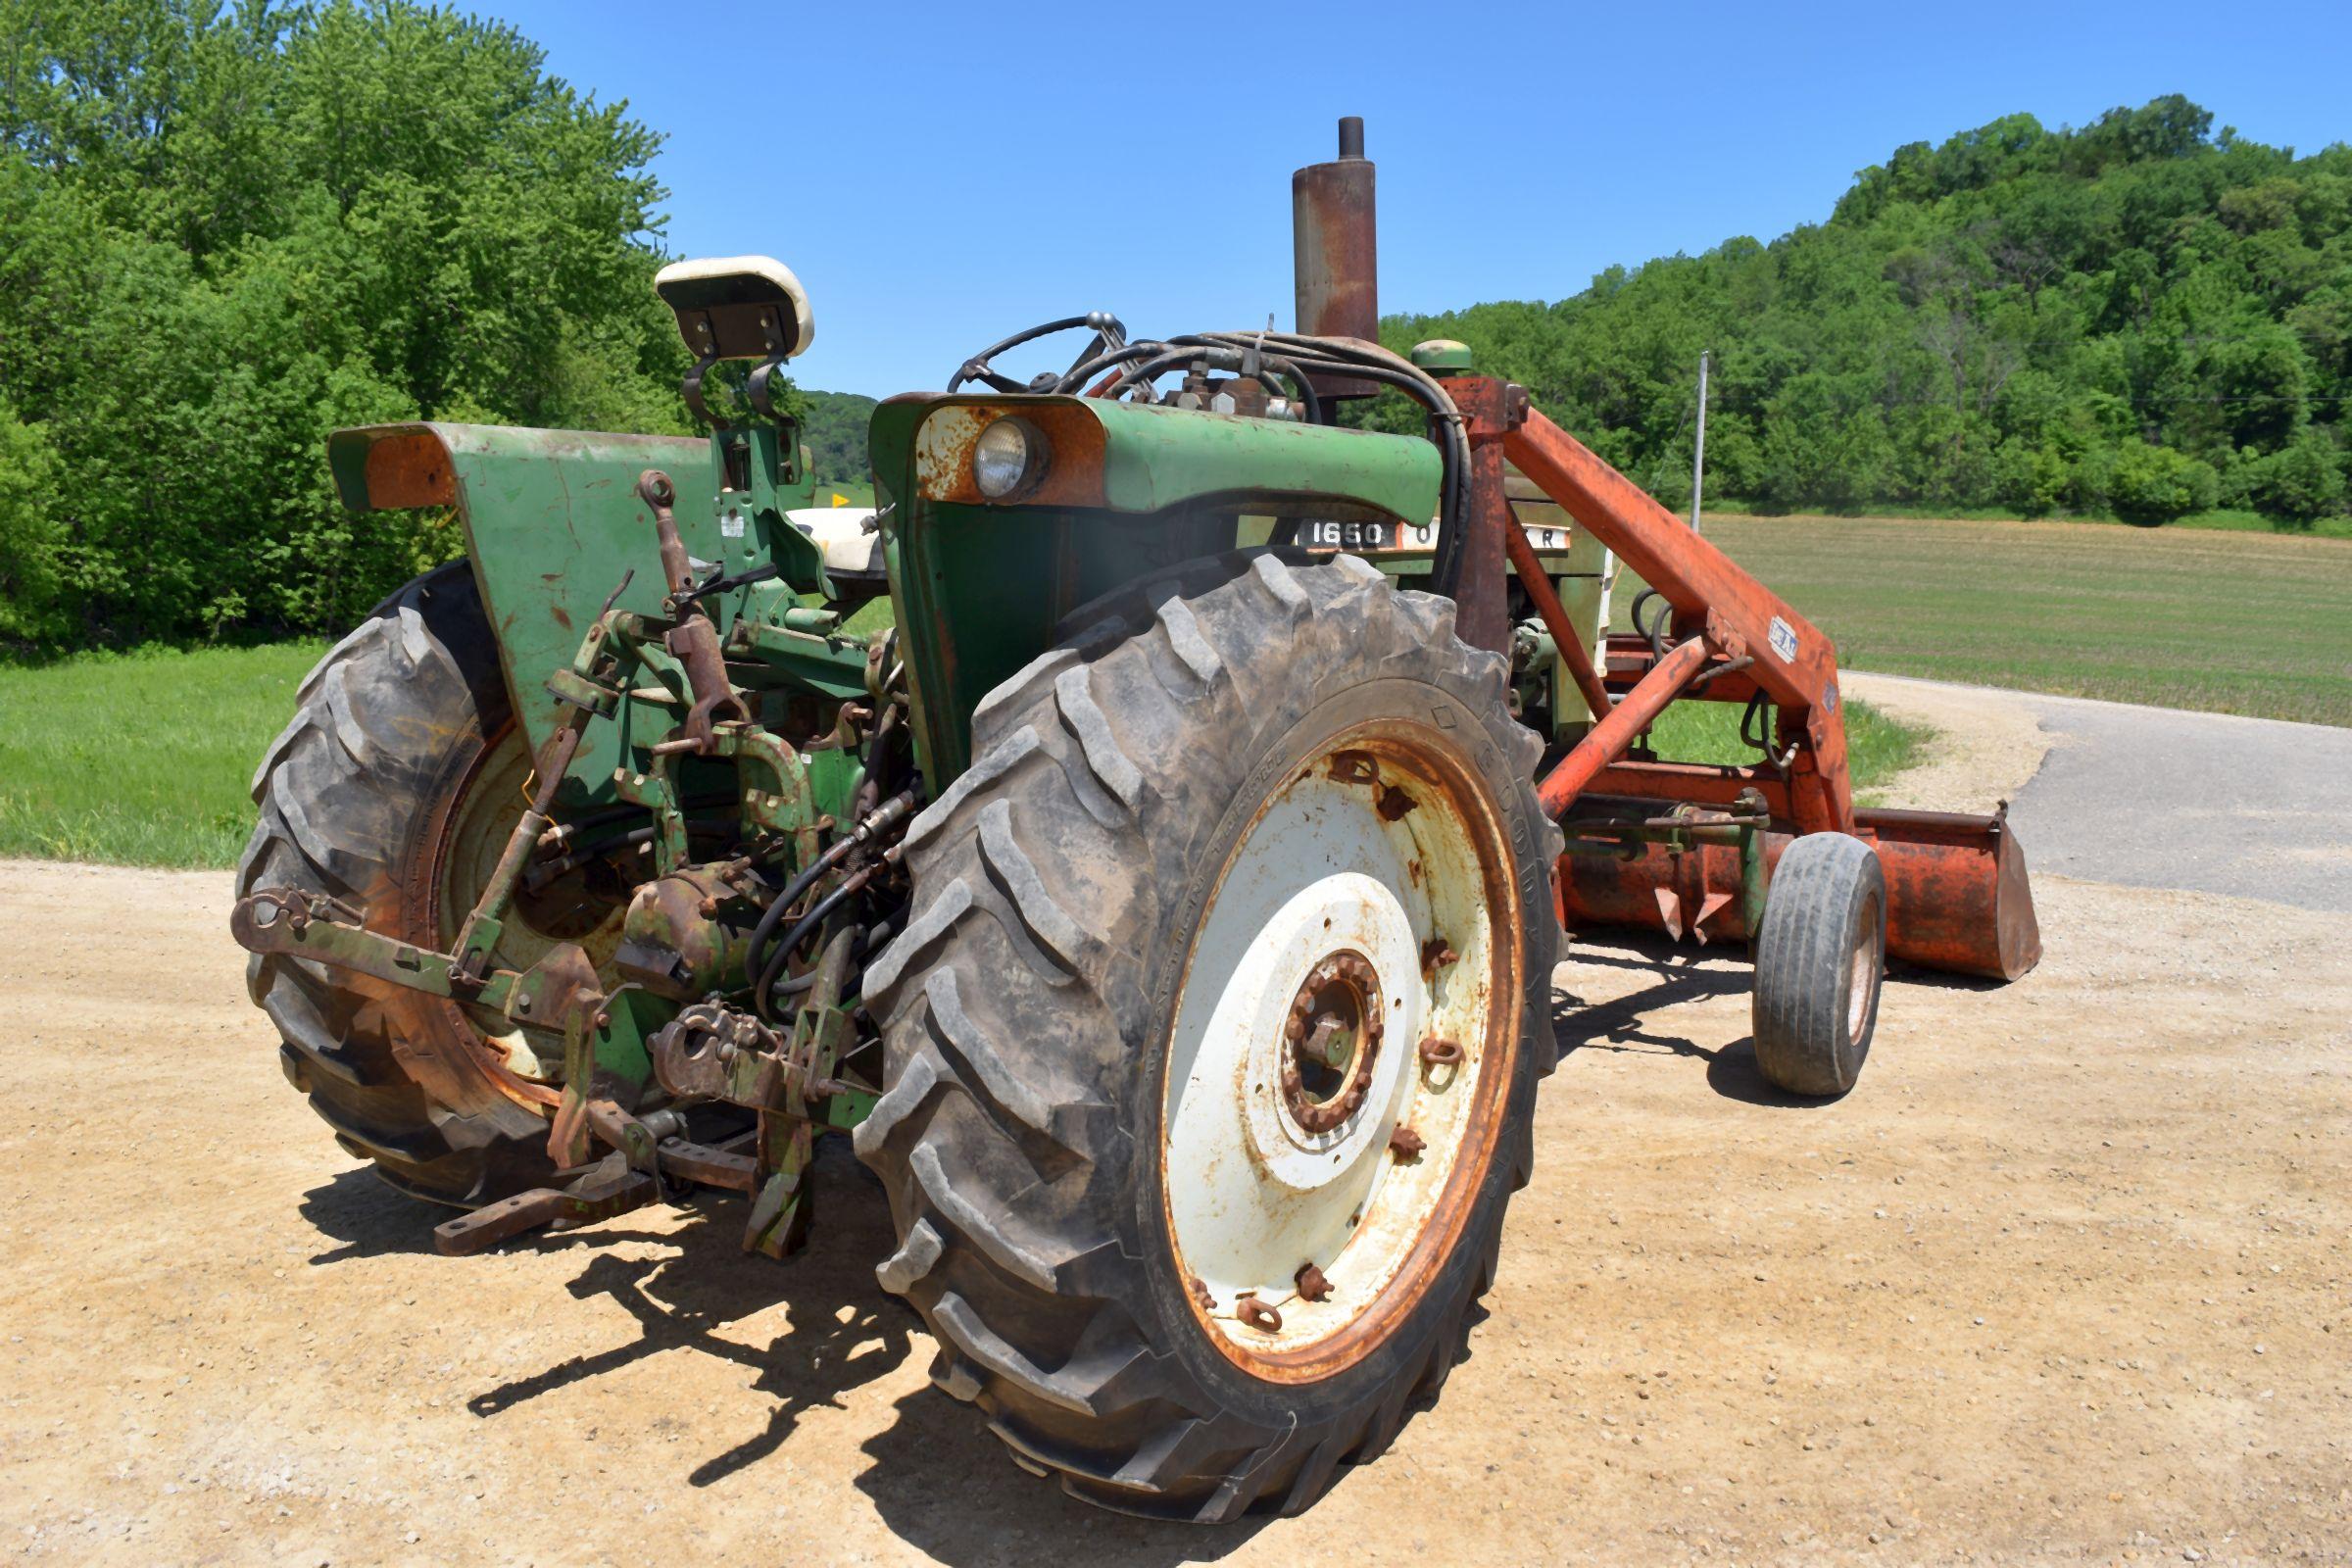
(391, 791)
(1213, 1042)
(1821, 958)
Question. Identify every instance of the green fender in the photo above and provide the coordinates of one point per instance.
(552, 522)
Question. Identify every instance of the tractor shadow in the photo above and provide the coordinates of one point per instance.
(937, 1479)
(1674, 973)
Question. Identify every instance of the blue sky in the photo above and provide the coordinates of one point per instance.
(940, 176)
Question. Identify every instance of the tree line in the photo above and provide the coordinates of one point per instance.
(226, 232)
(2142, 319)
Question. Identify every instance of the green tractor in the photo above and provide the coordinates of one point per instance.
(1158, 895)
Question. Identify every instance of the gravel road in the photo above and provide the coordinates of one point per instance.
(2065, 1279)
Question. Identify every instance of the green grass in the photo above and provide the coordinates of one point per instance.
(142, 758)
(2226, 622)
(1877, 746)
(2230, 519)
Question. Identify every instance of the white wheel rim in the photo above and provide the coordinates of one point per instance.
(1253, 1195)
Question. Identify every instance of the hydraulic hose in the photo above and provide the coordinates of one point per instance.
(851, 885)
(883, 817)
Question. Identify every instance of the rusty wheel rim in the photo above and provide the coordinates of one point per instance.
(472, 834)
(1378, 871)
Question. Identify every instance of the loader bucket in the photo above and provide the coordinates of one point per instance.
(1957, 896)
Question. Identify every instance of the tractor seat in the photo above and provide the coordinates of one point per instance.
(738, 308)
(847, 536)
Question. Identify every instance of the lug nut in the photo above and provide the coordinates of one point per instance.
(1312, 1286)
(1405, 1144)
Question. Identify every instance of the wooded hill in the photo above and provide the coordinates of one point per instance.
(226, 231)
(2139, 318)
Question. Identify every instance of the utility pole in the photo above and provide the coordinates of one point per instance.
(1699, 450)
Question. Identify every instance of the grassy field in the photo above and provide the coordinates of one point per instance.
(144, 760)
(2236, 622)
(2230, 520)
(141, 759)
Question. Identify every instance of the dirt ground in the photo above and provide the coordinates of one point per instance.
(1982, 747)
(2064, 1280)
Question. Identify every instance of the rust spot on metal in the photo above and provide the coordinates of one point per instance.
(1432, 762)
(410, 470)
(1073, 478)
(1312, 1286)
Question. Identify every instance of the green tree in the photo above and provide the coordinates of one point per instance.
(2105, 319)
(230, 231)
(29, 534)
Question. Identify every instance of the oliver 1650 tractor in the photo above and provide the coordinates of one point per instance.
(1163, 896)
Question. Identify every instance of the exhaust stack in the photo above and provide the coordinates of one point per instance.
(1335, 253)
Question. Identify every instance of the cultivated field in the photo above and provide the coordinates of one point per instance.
(2251, 623)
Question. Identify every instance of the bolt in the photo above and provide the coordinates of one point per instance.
(1405, 1144)
(1436, 954)
(1312, 1286)
(1204, 1295)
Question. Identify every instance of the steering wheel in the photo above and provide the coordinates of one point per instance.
(1110, 335)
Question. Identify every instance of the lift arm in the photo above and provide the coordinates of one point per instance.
(1713, 599)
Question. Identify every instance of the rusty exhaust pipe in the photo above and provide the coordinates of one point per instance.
(1335, 254)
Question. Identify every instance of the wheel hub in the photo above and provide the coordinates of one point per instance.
(1332, 1033)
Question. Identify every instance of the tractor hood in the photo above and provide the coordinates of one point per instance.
(1105, 493)
(1139, 458)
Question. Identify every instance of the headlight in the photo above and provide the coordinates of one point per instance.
(1009, 457)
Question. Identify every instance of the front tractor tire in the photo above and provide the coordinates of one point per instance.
(1213, 1039)
(382, 793)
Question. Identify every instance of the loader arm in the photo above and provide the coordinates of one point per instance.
(1958, 897)
(1793, 662)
